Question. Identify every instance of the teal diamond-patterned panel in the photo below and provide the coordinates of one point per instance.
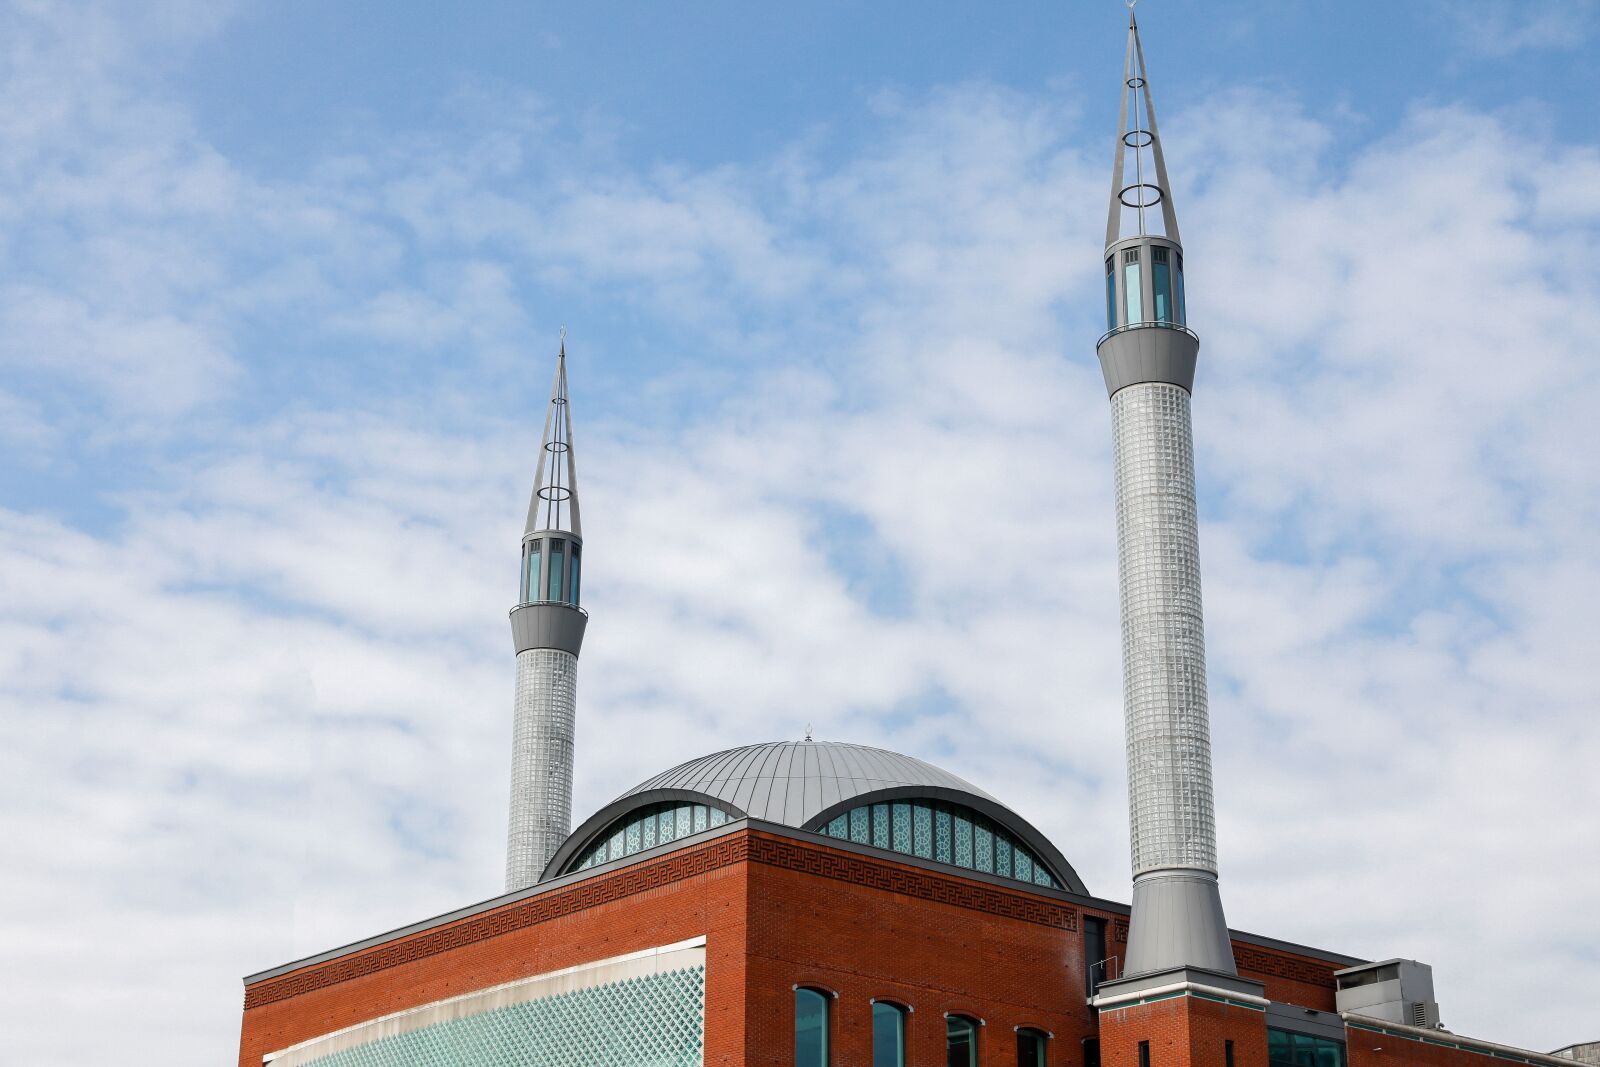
(652, 1021)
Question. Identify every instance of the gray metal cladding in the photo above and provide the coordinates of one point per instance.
(792, 782)
(541, 762)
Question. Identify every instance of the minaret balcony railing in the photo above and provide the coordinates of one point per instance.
(1147, 325)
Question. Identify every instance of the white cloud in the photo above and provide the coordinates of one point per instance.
(1496, 29)
(266, 710)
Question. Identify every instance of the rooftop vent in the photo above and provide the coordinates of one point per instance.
(1396, 991)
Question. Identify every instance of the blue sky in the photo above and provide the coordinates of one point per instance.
(280, 292)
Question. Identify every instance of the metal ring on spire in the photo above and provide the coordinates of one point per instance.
(555, 446)
(1136, 82)
(1142, 198)
(1149, 139)
(555, 493)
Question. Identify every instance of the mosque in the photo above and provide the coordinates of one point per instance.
(822, 904)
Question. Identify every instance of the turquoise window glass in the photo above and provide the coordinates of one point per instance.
(982, 848)
(901, 823)
(635, 833)
(963, 842)
(810, 1028)
(1111, 295)
(1183, 314)
(961, 1042)
(923, 833)
(860, 828)
(880, 825)
(657, 1019)
(1163, 290)
(1002, 855)
(531, 590)
(701, 820)
(840, 827)
(572, 585)
(1285, 1049)
(558, 560)
(1024, 866)
(1133, 288)
(1030, 1048)
(943, 839)
(650, 824)
(684, 817)
(888, 1035)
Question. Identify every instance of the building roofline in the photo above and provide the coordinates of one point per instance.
(776, 830)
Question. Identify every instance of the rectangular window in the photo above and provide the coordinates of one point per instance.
(839, 827)
(683, 816)
(982, 848)
(700, 819)
(1094, 952)
(1144, 1054)
(942, 837)
(1002, 855)
(1111, 293)
(558, 561)
(922, 838)
(718, 816)
(901, 837)
(1183, 316)
(572, 584)
(1162, 279)
(1132, 285)
(963, 842)
(1227, 1054)
(880, 825)
(1091, 1052)
(1024, 865)
(668, 826)
(860, 830)
(532, 572)
(649, 826)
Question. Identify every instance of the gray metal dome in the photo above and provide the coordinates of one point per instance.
(803, 784)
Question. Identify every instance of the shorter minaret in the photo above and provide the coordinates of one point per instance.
(547, 628)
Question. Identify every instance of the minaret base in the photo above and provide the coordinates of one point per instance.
(1183, 1017)
(1177, 921)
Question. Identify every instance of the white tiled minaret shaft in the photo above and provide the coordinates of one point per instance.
(1148, 359)
(547, 628)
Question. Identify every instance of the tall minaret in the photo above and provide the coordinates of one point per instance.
(1148, 359)
(547, 630)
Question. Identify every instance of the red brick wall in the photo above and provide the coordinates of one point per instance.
(685, 894)
(916, 937)
(775, 911)
(1183, 1032)
(1367, 1049)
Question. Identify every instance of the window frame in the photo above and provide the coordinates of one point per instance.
(901, 1012)
(974, 1028)
(825, 997)
(1040, 1035)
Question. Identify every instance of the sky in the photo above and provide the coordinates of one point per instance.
(280, 287)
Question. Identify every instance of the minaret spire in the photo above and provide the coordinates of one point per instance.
(547, 628)
(1136, 129)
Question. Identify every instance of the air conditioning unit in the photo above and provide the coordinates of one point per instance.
(1396, 991)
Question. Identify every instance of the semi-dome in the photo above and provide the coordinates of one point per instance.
(830, 788)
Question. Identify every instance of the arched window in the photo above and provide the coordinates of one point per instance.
(647, 827)
(810, 1028)
(888, 1034)
(1031, 1047)
(960, 1041)
(948, 833)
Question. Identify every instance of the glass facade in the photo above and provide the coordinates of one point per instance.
(1030, 1048)
(1111, 293)
(550, 568)
(1132, 285)
(810, 1028)
(1161, 277)
(647, 827)
(888, 1035)
(657, 1019)
(961, 1041)
(948, 833)
(1302, 1050)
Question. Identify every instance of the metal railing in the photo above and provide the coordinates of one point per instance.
(1148, 325)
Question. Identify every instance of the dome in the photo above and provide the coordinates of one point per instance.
(807, 785)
